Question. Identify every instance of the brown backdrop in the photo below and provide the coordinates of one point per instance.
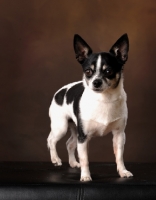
(37, 58)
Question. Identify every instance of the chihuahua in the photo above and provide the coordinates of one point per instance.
(94, 106)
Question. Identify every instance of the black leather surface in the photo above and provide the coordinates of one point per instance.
(44, 181)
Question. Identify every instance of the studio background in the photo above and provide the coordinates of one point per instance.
(37, 58)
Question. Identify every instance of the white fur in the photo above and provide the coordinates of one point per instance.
(98, 65)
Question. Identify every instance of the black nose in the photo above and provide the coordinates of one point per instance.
(97, 83)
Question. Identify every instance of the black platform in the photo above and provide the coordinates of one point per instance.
(43, 181)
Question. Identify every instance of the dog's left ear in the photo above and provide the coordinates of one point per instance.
(82, 49)
(120, 48)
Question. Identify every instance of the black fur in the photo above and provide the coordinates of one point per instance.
(115, 59)
(59, 97)
(120, 49)
(108, 60)
(81, 136)
(73, 95)
(82, 49)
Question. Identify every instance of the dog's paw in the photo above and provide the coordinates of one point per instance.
(74, 164)
(57, 162)
(85, 178)
(125, 174)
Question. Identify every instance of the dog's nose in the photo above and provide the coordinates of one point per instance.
(97, 83)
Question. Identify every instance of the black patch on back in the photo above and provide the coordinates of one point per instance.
(59, 97)
(73, 95)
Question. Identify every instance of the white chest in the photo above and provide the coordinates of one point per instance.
(102, 109)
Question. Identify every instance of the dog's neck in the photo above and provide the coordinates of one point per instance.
(109, 95)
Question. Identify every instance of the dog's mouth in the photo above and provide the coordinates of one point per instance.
(97, 89)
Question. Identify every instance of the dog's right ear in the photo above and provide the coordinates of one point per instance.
(82, 49)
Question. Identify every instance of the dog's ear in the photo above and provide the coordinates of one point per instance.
(82, 49)
(120, 48)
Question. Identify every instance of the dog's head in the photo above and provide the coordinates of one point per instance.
(102, 70)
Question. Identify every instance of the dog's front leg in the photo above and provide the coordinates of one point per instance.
(118, 144)
(83, 158)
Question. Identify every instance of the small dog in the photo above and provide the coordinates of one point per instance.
(94, 106)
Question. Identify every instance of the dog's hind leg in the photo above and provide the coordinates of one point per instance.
(58, 130)
(71, 146)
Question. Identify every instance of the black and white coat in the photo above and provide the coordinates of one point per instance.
(94, 106)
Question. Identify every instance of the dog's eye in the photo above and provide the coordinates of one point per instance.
(88, 72)
(108, 72)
